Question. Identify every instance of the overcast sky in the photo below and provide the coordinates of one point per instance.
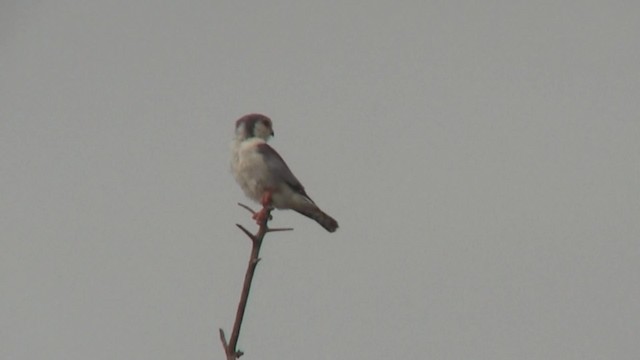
(482, 158)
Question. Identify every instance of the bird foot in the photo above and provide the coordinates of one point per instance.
(261, 215)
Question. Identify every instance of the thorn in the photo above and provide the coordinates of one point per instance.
(279, 229)
(250, 235)
(247, 208)
(224, 340)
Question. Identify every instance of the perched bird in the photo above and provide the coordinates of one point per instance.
(265, 177)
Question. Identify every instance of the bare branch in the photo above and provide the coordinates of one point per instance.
(230, 348)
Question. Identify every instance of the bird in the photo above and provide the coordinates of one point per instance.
(264, 176)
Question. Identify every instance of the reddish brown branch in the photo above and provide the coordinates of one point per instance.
(230, 348)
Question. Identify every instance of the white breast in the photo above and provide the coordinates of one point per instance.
(249, 168)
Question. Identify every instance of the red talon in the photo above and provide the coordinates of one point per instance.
(260, 215)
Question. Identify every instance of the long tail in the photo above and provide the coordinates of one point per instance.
(326, 221)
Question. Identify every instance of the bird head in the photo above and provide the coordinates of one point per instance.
(254, 126)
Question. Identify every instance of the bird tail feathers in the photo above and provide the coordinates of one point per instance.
(326, 221)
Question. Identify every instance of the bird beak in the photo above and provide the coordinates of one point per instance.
(273, 133)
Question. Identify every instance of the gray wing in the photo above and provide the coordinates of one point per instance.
(279, 168)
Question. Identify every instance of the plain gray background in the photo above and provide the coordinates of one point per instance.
(483, 159)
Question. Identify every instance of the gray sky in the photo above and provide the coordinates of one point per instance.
(483, 160)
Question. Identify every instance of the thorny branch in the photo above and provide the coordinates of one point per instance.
(230, 348)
